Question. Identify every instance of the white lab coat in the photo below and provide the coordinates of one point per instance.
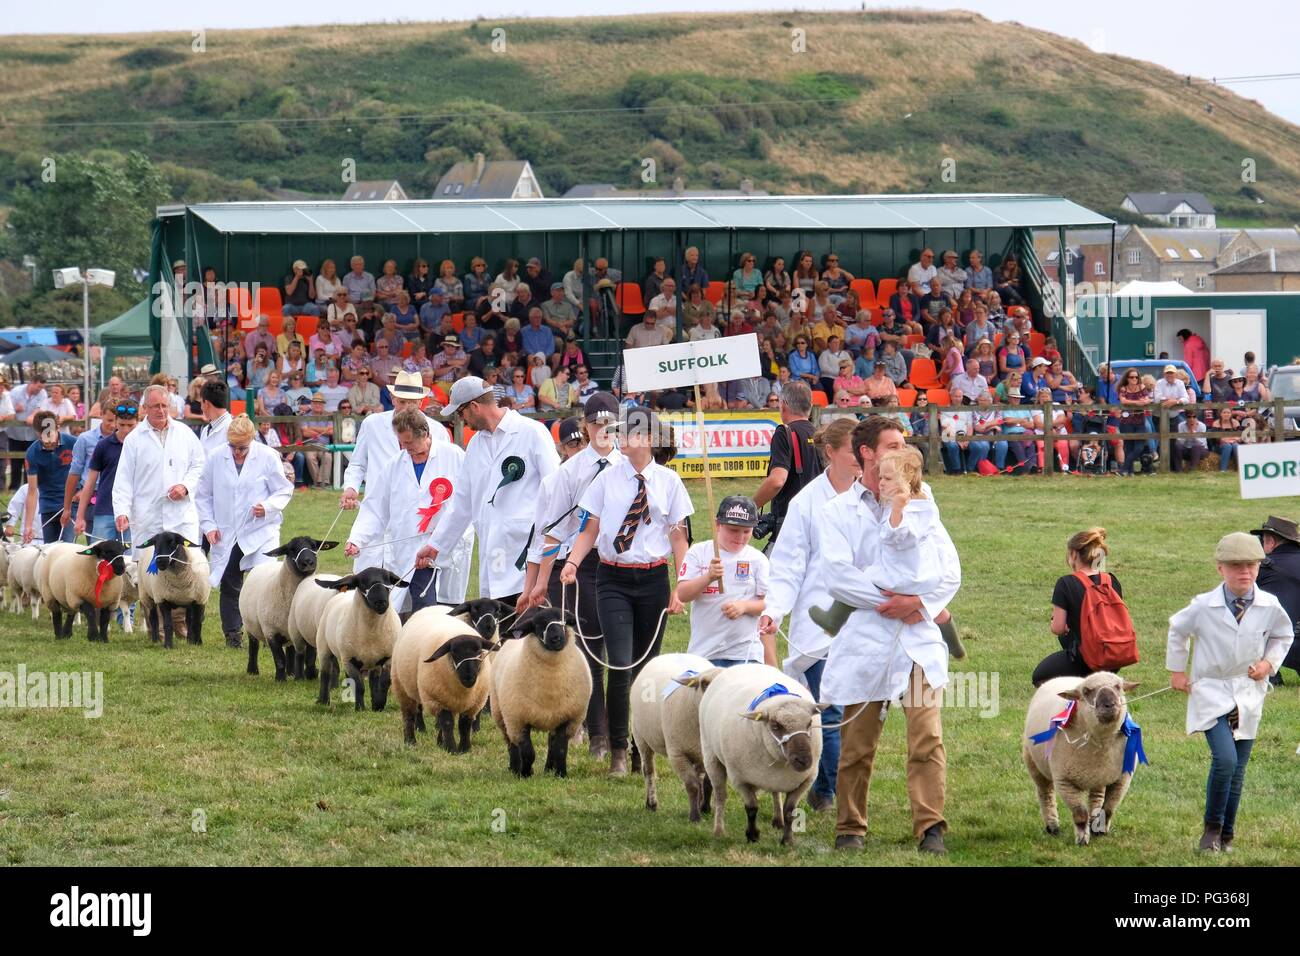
(1224, 652)
(391, 511)
(797, 579)
(225, 501)
(560, 493)
(151, 464)
(872, 657)
(375, 449)
(503, 527)
(212, 436)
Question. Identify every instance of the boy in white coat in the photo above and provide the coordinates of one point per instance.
(1242, 636)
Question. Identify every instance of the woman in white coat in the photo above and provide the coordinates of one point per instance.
(1242, 636)
(797, 582)
(241, 501)
(405, 504)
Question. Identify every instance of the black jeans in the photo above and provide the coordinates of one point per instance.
(1060, 664)
(16, 465)
(423, 589)
(589, 619)
(232, 582)
(631, 602)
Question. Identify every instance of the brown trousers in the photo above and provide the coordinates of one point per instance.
(927, 762)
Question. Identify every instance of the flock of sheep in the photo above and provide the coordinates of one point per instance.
(749, 725)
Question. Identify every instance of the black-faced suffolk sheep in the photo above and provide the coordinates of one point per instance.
(540, 681)
(175, 576)
(87, 580)
(267, 597)
(441, 667)
(358, 631)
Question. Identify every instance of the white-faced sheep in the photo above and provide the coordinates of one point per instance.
(540, 681)
(1088, 759)
(176, 576)
(304, 619)
(665, 715)
(761, 731)
(267, 596)
(441, 668)
(51, 554)
(87, 580)
(22, 579)
(7, 548)
(359, 630)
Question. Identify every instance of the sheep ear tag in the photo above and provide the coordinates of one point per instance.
(512, 469)
(105, 569)
(439, 492)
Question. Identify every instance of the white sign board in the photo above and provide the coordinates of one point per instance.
(1270, 470)
(692, 363)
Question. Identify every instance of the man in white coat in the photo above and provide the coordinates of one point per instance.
(376, 448)
(917, 667)
(504, 467)
(405, 503)
(797, 582)
(214, 402)
(158, 474)
(241, 500)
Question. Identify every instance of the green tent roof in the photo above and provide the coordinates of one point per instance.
(801, 213)
(128, 334)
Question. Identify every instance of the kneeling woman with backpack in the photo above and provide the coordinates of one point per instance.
(1088, 615)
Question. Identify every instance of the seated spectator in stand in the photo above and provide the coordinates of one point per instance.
(259, 368)
(1237, 393)
(339, 308)
(356, 360)
(941, 330)
(1186, 453)
(572, 356)
(906, 306)
(981, 328)
(520, 392)
(979, 277)
(359, 283)
(327, 282)
(829, 362)
(739, 323)
(988, 361)
(484, 357)
(996, 315)
(476, 286)
(879, 385)
(920, 273)
(780, 308)
(556, 393)
(966, 386)
(964, 311)
(1216, 386)
(861, 336)
(508, 281)
(692, 271)
(270, 396)
(1018, 320)
(849, 382)
(388, 332)
(419, 283)
(1007, 284)
(694, 309)
(664, 304)
(300, 291)
(891, 329)
(322, 340)
(1036, 380)
(333, 390)
(1058, 424)
(509, 341)
(1169, 393)
(386, 361)
(888, 407)
(288, 335)
(408, 319)
(419, 359)
(538, 370)
(434, 310)
(894, 363)
(776, 281)
(655, 280)
(1063, 384)
(317, 431)
(1050, 351)
(747, 281)
(805, 273)
(828, 322)
(537, 337)
(1013, 355)
(261, 337)
(450, 288)
(705, 329)
(838, 281)
(771, 361)
(987, 423)
(472, 334)
(820, 304)
(739, 395)
(1227, 445)
(956, 447)
(1009, 390)
(388, 284)
(364, 394)
(803, 363)
(297, 390)
(451, 361)
(649, 331)
(952, 359)
(935, 301)
(559, 314)
(538, 279)
(952, 277)
(317, 368)
(584, 385)
(523, 304)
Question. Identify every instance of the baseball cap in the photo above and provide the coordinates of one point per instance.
(1039, 361)
(601, 406)
(638, 419)
(299, 264)
(1169, 368)
(556, 285)
(1239, 546)
(570, 430)
(464, 390)
(450, 339)
(408, 385)
(738, 510)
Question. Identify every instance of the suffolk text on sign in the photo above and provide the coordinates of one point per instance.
(691, 363)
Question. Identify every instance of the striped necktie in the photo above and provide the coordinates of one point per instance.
(638, 513)
(1239, 605)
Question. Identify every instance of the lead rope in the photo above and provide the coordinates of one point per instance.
(582, 638)
(330, 529)
(862, 709)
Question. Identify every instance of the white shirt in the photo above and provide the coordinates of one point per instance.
(873, 656)
(611, 495)
(24, 404)
(1166, 390)
(561, 492)
(152, 462)
(225, 500)
(700, 334)
(16, 512)
(921, 274)
(336, 393)
(658, 303)
(325, 289)
(744, 577)
(1225, 650)
(502, 514)
(213, 435)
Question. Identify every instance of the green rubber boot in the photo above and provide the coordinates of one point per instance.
(831, 619)
(955, 647)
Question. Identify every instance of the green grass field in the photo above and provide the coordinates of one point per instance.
(281, 780)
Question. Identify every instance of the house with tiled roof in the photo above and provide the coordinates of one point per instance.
(1271, 270)
(481, 179)
(375, 190)
(1188, 210)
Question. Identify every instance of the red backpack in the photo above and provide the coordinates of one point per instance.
(1107, 640)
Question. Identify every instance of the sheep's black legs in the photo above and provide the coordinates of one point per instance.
(557, 751)
(708, 794)
(514, 758)
(252, 655)
(194, 615)
(464, 734)
(292, 663)
(358, 685)
(165, 610)
(104, 615)
(408, 725)
(276, 644)
(309, 671)
(526, 753)
(419, 718)
(381, 678)
(446, 733)
(56, 616)
(326, 679)
(92, 620)
(151, 619)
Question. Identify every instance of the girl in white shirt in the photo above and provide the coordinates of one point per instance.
(635, 511)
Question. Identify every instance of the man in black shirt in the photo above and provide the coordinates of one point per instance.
(1279, 575)
(484, 357)
(794, 461)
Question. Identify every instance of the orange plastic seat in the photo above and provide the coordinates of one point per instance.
(938, 396)
(304, 325)
(906, 397)
(910, 340)
(271, 304)
(819, 398)
(407, 349)
(243, 303)
(237, 406)
(715, 292)
(922, 374)
(466, 434)
(866, 290)
(885, 290)
(997, 341)
(628, 297)
(1037, 340)
(458, 322)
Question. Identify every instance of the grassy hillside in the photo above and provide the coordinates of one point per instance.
(876, 103)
